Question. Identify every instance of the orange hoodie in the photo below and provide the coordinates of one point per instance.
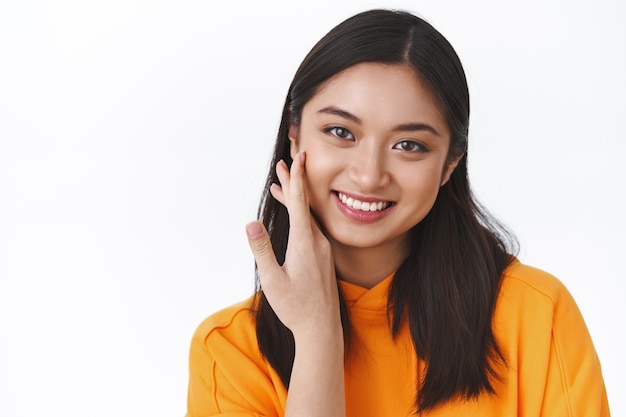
(553, 369)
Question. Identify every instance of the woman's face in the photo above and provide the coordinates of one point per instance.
(376, 154)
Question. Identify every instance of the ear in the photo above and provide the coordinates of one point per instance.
(450, 169)
(293, 133)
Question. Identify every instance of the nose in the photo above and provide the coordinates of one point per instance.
(368, 168)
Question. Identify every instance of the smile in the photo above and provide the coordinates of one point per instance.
(363, 205)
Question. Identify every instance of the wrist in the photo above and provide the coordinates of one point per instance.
(326, 336)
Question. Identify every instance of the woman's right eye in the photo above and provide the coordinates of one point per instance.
(340, 132)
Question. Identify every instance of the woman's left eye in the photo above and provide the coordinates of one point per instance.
(410, 146)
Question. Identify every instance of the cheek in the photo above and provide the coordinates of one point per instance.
(423, 184)
(321, 164)
(320, 169)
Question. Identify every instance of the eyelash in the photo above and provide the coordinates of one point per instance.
(416, 146)
(333, 131)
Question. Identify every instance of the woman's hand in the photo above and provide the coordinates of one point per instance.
(303, 291)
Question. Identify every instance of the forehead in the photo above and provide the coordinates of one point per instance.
(387, 92)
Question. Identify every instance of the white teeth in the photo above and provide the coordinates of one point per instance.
(362, 205)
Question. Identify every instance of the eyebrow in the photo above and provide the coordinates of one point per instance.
(404, 127)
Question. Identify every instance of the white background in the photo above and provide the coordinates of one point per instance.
(135, 136)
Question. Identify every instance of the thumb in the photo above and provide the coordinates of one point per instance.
(259, 241)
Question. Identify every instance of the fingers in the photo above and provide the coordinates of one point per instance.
(261, 246)
(297, 194)
(294, 195)
(282, 171)
(277, 193)
(281, 192)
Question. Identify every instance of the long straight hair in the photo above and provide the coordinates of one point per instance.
(446, 289)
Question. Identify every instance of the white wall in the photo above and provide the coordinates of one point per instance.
(134, 137)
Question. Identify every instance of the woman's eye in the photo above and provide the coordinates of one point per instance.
(410, 146)
(340, 132)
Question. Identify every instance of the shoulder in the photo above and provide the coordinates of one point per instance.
(232, 325)
(227, 372)
(523, 281)
(530, 296)
(549, 350)
(534, 302)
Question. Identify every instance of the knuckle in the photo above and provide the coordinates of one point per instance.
(300, 200)
(263, 247)
(298, 194)
(303, 198)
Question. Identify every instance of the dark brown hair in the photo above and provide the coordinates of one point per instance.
(447, 287)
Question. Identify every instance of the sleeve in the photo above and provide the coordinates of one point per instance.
(227, 376)
(574, 384)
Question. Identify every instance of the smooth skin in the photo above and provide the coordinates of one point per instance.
(375, 133)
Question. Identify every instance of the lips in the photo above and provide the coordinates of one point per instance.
(365, 206)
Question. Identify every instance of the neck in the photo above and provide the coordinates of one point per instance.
(366, 267)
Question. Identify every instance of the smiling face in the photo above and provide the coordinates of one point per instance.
(376, 154)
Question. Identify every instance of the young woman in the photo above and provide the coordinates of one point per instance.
(384, 289)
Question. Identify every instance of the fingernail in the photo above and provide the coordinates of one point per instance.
(254, 230)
